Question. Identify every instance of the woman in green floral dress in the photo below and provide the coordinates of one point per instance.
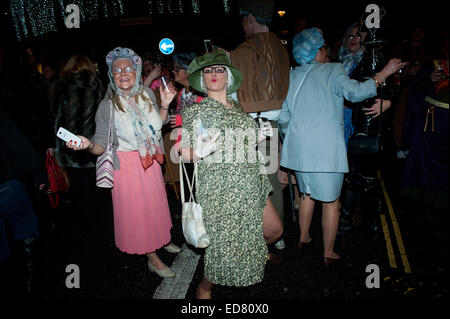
(232, 189)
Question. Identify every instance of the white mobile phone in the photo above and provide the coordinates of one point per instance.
(165, 84)
(68, 137)
(202, 130)
(208, 46)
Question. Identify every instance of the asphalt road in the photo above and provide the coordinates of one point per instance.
(365, 273)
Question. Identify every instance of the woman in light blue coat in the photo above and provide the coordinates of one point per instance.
(312, 120)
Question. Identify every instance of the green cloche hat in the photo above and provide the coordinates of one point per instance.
(216, 57)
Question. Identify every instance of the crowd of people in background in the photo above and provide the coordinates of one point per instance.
(314, 95)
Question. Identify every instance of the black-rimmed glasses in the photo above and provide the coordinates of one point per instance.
(217, 69)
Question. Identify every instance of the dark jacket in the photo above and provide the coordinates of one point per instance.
(18, 158)
(25, 101)
(374, 59)
(75, 98)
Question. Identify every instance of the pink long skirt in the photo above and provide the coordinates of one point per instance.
(142, 219)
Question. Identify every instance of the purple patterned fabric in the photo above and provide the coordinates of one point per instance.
(427, 164)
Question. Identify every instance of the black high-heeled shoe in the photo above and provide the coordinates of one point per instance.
(273, 259)
(328, 261)
(302, 245)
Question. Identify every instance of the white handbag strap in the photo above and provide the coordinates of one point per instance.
(196, 173)
(181, 164)
(190, 183)
(301, 83)
(110, 121)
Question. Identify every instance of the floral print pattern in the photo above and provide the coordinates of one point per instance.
(232, 193)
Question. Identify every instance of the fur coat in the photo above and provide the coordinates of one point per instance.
(75, 98)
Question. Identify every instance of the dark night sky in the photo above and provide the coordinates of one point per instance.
(188, 32)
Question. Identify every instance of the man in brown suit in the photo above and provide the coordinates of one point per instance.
(264, 63)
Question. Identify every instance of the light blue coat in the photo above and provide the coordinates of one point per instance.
(312, 119)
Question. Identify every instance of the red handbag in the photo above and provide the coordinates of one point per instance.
(58, 179)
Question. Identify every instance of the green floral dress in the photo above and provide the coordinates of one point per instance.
(232, 192)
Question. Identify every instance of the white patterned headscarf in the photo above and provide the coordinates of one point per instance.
(350, 60)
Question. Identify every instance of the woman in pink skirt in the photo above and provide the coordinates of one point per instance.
(142, 219)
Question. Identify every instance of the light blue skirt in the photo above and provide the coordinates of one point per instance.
(325, 187)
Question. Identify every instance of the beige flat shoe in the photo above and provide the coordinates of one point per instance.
(165, 273)
(172, 248)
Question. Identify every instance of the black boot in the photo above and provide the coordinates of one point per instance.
(27, 257)
(6, 282)
(349, 202)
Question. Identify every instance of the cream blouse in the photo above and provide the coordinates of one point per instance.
(124, 126)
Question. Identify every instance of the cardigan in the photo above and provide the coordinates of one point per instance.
(102, 124)
(264, 63)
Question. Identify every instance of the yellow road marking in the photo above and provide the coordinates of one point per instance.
(387, 238)
(398, 235)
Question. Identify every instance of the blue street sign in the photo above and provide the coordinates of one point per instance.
(166, 46)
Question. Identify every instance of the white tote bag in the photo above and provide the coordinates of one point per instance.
(191, 219)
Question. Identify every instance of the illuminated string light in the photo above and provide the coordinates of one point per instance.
(160, 6)
(196, 6)
(226, 7)
(42, 16)
(18, 17)
(32, 18)
(150, 7)
(169, 7)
